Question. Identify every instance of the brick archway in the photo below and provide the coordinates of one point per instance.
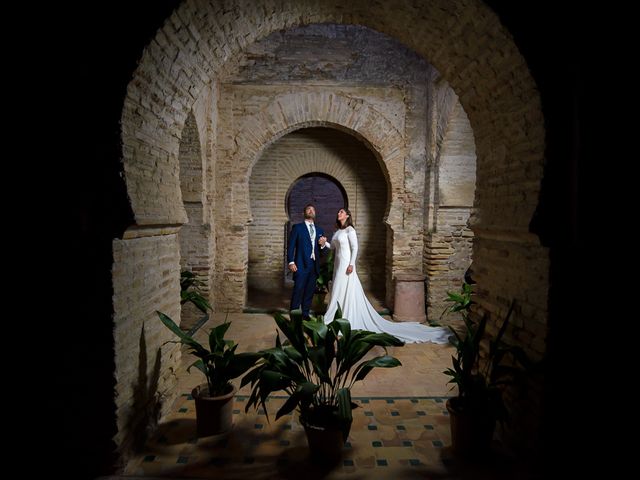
(462, 39)
(284, 115)
(353, 116)
(489, 75)
(350, 166)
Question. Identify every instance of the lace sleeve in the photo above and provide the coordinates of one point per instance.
(353, 244)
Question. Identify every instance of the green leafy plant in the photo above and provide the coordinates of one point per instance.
(481, 382)
(460, 302)
(220, 363)
(190, 291)
(316, 366)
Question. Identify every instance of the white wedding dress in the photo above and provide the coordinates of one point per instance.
(347, 290)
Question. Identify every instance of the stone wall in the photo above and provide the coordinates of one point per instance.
(327, 54)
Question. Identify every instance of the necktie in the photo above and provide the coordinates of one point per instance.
(312, 233)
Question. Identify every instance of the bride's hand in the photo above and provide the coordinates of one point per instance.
(349, 269)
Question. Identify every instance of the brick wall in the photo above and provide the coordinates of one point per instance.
(449, 241)
(206, 114)
(447, 257)
(457, 162)
(194, 235)
(146, 278)
(190, 155)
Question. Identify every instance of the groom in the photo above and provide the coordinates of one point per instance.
(305, 244)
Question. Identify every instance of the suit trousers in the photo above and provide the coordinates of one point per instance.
(304, 285)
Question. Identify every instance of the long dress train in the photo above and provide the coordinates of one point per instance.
(347, 290)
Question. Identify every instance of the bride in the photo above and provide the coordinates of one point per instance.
(347, 291)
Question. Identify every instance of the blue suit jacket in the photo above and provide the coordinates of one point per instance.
(299, 250)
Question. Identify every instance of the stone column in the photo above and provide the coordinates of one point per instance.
(409, 298)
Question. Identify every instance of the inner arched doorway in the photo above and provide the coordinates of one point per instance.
(322, 191)
(331, 169)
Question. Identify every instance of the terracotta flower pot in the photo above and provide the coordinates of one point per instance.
(214, 415)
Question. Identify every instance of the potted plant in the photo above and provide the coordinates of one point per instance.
(325, 275)
(220, 365)
(190, 291)
(316, 366)
(481, 382)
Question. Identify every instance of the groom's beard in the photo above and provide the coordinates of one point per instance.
(309, 217)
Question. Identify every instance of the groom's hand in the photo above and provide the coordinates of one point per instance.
(322, 240)
(293, 268)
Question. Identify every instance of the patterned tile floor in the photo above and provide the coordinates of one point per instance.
(391, 437)
(400, 430)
